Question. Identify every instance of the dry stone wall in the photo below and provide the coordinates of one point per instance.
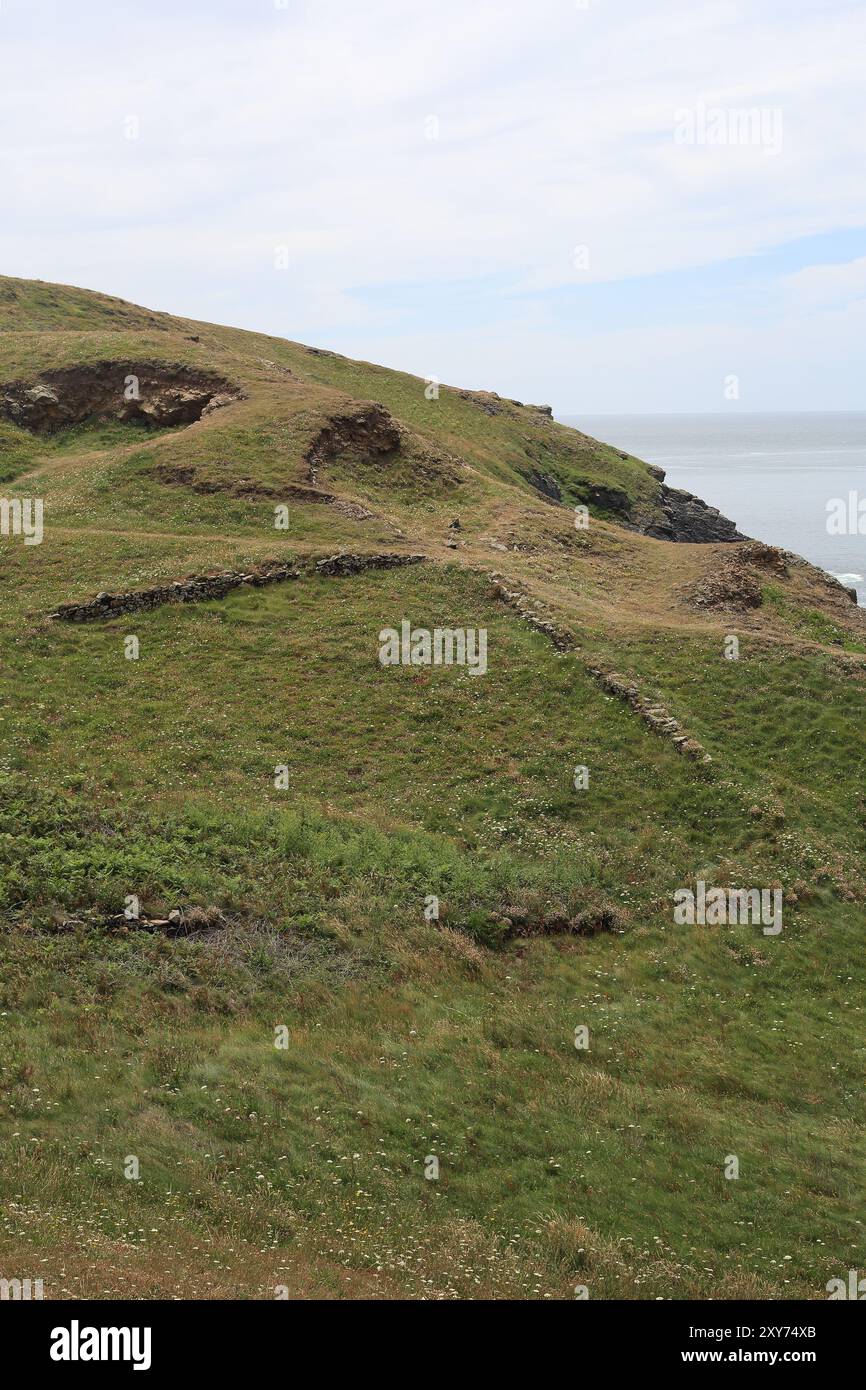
(195, 590)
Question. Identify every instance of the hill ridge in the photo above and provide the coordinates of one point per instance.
(372, 966)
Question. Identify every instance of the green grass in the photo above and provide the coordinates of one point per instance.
(20, 450)
(557, 1167)
(34, 306)
(17, 451)
(783, 726)
(407, 1037)
(810, 622)
(602, 1168)
(72, 327)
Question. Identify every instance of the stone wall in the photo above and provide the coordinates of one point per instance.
(200, 588)
(195, 590)
(346, 564)
(655, 716)
(561, 637)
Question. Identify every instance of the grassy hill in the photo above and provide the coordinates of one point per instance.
(241, 1090)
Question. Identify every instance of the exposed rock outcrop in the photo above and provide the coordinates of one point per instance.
(688, 519)
(488, 401)
(606, 498)
(154, 394)
(764, 557)
(727, 585)
(679, 515)
(835, 589)
(684, 517)
(735, 579)
(545, 485)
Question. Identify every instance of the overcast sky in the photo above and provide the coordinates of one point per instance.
(555, 200)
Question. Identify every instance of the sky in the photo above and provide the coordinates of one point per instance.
(603, 205)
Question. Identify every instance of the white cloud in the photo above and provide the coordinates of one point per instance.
(830, 286)
(306, 127)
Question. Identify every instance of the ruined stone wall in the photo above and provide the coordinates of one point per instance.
(654, 715)
(346, 564)
(195, 590)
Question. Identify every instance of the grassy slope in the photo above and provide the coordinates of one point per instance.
(304, 1166)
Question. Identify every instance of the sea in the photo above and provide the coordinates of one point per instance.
(776, 476)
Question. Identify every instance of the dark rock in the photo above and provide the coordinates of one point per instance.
(606, 499)
(688, 519)
(544, 484)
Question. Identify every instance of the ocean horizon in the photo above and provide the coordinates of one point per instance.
(774, 474)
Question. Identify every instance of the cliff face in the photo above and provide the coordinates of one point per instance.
(691, 519)
(687, 518)
(672, 514)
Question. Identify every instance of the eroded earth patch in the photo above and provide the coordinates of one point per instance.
(154, 394)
